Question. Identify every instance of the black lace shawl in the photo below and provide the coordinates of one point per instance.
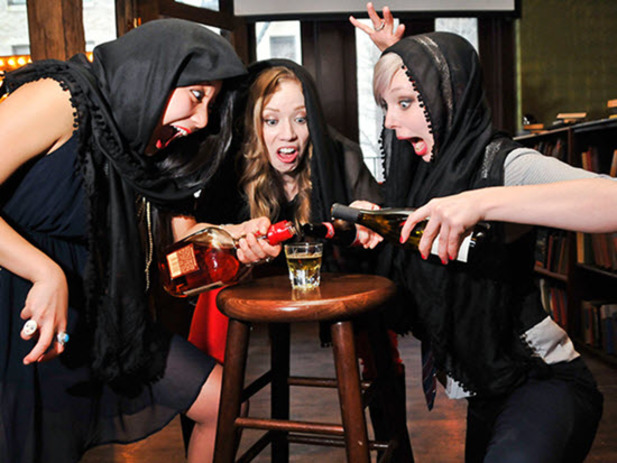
(470, 314)
(119, 99)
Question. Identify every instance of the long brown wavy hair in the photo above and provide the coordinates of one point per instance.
(261, 183)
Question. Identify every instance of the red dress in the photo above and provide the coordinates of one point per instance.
(209, 326)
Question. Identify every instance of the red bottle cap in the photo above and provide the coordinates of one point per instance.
(280, 231)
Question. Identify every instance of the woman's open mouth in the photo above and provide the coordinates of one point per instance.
(167, 133)
(419, 146)
(287, 154)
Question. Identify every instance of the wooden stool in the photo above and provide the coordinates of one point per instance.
(338, 300)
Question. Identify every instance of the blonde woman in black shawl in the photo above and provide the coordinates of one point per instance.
(530, 396)
(90, 151)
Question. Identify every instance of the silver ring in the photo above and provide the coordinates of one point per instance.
(30, 327)
(62, 338)
(381, 25)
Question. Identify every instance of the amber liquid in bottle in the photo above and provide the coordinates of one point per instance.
(207, 259)
(389, 221)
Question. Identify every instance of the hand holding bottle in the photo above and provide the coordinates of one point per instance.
(213, 257)
(389, 223)
(250, 248)
(450, 219)
(366, 237)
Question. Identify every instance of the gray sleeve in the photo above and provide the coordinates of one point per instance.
(525, 166)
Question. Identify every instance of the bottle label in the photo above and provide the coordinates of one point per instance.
(182, 261)
(463, 251)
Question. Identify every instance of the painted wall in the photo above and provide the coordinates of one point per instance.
(568, 57)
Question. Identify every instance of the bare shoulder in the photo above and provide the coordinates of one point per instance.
(35, 119)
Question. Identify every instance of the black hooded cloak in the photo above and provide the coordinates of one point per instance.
(472, 315)
(119, 98)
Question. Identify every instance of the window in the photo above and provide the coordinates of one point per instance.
(209, 4)
(283, 46)
(465, 27)
(370, 116)
(278, 39)
(14, 28)
(20, 49)
(99, 22)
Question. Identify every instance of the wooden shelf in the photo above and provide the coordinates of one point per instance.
(599, 270)
(583, 282)
(555, 276)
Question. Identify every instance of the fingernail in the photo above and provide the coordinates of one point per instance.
(401, 240)
(424, 256)
(444, 261)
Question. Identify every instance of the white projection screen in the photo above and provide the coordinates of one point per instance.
(319, 7)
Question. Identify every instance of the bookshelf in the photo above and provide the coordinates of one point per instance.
(577, 272)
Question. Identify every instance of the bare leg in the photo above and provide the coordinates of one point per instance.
(204, 412)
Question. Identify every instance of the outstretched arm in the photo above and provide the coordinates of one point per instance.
(383, 33)
(586, 205)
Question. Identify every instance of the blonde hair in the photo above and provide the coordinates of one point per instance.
(260, 182)
(385, 69)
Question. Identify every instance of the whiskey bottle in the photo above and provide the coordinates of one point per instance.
(207, 259)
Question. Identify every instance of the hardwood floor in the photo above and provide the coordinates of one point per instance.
(437, 436)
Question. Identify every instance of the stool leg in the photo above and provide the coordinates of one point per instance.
(350, 396)
(231, 393)
(279, 404)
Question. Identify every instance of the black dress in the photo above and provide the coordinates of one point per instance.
(54, 411)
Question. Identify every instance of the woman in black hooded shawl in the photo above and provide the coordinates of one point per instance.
(305, 168)
(531, 397)
(90, 153)
(330, 169)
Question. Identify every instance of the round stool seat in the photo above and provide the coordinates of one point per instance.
(271, 299)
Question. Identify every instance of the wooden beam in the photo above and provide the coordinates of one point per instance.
(56, 28)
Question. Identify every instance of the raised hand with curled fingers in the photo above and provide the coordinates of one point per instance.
(383, 33)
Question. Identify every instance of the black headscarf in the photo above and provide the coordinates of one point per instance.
(469, 314)
(333, 154)
(327, 163)
(119, 99)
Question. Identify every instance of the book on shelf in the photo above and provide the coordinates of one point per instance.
(599, 325)
(611, 105)
(598, 249)
(608, 324)
(551, 252)
(571, 118)
(613, 170)
(555, 302)
(534, 128)
(590, 159)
